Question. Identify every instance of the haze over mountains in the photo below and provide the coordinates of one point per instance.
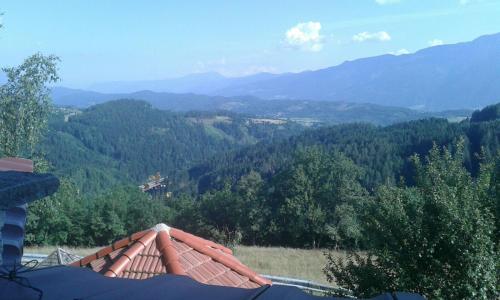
(198, 83)
(302, 111)
(463, 75)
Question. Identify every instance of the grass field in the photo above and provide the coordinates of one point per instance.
(296, 263)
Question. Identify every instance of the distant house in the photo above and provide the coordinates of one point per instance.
(163, 249)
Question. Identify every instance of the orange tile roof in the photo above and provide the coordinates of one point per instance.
(162, 250)
(16, 164)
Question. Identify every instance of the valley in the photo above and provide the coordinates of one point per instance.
(206, 150)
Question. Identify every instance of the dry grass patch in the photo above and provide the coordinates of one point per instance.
(304, 264)
(49, 249)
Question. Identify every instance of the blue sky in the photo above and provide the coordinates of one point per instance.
(141, 40)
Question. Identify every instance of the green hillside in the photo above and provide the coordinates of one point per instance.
(382, 152)
(306, 112)
(124, 141)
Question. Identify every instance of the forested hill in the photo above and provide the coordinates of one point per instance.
(382, 152)
(304, 111)
(124, 141)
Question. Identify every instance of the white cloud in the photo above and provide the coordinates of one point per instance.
(384, 2)
(435, 42)
(400, 52)
(305, 36)
(380, 36)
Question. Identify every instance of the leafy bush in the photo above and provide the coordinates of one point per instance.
(314, 202)
(436, 238)
(25, 103)
(67, 218)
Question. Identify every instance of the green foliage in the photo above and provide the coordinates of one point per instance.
(233, 212)
(68, 218)
(436, 238)
(222, 209)
(254, 206)
(56, 220)
(313, 203)
(227, 216)
(489, 113)
(125, 141)
(305, 198)
(381, 151)
(25, 103)
(186, 214)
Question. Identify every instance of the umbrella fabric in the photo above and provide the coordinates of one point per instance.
(80, 283)
(63, 282)
(18, 188)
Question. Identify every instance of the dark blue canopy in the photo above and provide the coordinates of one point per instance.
(65, 282)
(18, 188)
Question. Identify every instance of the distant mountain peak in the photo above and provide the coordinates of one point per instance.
(451, 76)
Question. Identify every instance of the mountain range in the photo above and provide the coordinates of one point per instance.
(453, 76)
(198, 83)
(302, 111)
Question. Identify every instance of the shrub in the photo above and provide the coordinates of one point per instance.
(436, 238)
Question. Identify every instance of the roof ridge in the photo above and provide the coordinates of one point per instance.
(161, 227)
(169, 255)
(107, 250)
(127, 256)
(182, 236)
(16, 164)
(220, 257)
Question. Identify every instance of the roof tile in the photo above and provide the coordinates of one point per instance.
(16, 164)
(168, 250)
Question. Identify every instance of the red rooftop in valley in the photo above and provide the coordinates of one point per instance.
(162, 250)
(16, 164)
